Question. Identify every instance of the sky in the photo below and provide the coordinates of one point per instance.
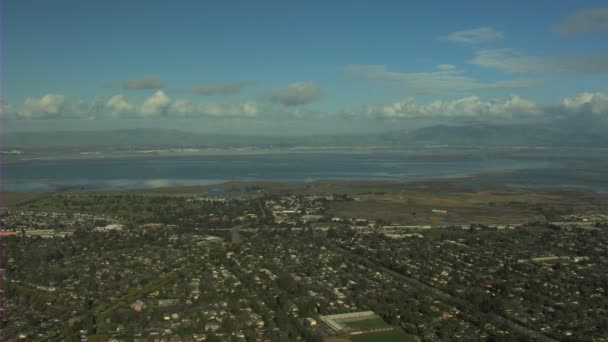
(268, 67)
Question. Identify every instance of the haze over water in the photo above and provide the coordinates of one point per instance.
(528, 168)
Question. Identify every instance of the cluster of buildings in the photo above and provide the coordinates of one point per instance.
(292, 210)
(535, 275)
(49, 224)
(187, 279)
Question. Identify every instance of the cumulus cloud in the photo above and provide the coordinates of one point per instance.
(159, 104)
(586, 103)
(156, 105)
(246, 109)
(294, 94)
(117, 105)
(143, 83)
(221, 89)
(467, 107)
(184, 108)
(46, 107)
(447, 79)
(49, 105)
(474, 108)
(584, 21)
(478, 35)
(513, 60)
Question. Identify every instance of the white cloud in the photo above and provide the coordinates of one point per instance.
(49, 105)
(513, 60)
(584, 21)
(467, 107)
(160, 104)
(478, 35)
(182, 107)
(117, 106)
(155, 105)
(447, 79)
(473, 108)
(45, 107)
(591, 103)
(248, 109)
(294, 94)
(587, 104)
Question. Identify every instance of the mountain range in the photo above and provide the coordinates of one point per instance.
(451, 135)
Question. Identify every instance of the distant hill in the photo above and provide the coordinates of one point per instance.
(166, 138)
(127, 138)
(464, 135)
(501, 135)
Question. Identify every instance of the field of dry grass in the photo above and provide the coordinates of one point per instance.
(336, 339)
(9, 199)
(406, 203)
(415, 205)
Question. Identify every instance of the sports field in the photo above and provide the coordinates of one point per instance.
(395, 335)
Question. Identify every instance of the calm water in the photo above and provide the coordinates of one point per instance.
(544, 168)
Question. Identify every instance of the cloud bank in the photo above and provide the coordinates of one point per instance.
(46, 107)
(586, 103)
(160, 105)
(472, 107)
(156, 105)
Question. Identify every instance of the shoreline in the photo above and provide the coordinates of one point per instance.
(459, 183)
(418, 153)
(472, 182)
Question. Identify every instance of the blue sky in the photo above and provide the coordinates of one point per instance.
(299, 66)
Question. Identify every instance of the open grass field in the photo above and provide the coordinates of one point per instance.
(9, 199)
(336, 339)
(391, 333)
(414, 205)
(328, 187)
(401, 203)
